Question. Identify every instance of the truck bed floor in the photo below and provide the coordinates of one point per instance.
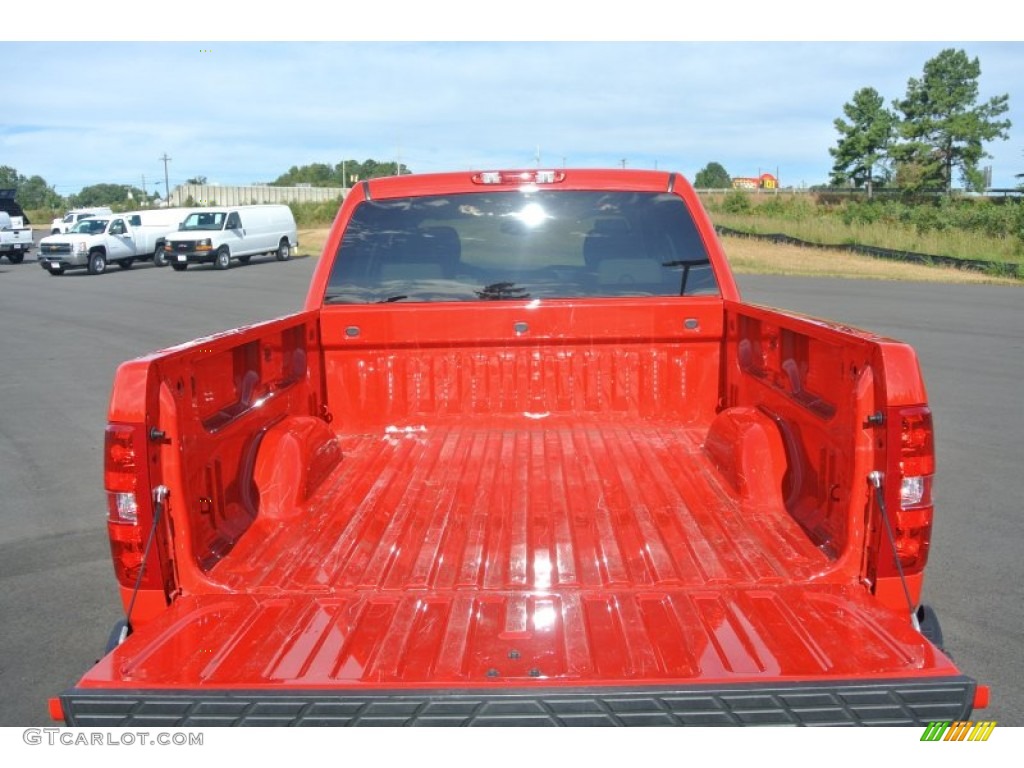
(535, 506)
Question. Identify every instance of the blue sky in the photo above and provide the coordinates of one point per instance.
(242, 111)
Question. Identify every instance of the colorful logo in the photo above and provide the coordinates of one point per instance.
(961, 730)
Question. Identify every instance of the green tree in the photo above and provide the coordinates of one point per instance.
(9, 177)
(736, 202)
(122, 196)
(371, 169)
(712, 176)
(863, 143)
(342, 174)
(317, 174)
(200, 180)
(943, 127)
(34, 192)
(31, 193)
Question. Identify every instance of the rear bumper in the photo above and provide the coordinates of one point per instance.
(907, 702)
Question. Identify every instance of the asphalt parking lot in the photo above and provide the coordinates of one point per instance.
(63, 337)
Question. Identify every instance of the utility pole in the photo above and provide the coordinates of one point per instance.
(167, 183)
(145, 197)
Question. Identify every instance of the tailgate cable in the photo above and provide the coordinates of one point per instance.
(875, 478)
(160, 494)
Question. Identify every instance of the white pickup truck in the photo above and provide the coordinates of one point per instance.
(15, 234)
(120, 238)
(67, 223)
(15, 238)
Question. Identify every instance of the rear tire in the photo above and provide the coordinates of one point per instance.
(223, 258)
(930, 627)
(97, 263)
(126, 263)
(16, 258)
(284, 250)
(179, 267)
(118, 634)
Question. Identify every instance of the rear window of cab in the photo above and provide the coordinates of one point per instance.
(515, 244)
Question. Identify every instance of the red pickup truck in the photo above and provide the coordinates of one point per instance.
(525, 457)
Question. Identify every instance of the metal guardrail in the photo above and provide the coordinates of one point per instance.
(974, 265)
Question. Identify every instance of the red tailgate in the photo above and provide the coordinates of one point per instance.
(438, 639)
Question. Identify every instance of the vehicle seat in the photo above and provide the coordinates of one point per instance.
(443, 247)
(617, 257)
(610, 238)
(431, 253)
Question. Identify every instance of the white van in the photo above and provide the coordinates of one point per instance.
(159, 219)
(219, 235)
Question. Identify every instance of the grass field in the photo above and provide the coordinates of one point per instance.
(311, 241)
(753, 257)
(829, 231)
(978, 229)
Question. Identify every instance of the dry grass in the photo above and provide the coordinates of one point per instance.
(752, 257)
(958, 243)
(311, 241)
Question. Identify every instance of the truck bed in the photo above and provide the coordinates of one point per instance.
(465, 557)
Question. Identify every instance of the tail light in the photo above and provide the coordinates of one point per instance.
(518, 177)
(129, 510)
(909, 490)
(120, 474)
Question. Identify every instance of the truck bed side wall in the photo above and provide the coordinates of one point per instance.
(213, 400)
(822, 384)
